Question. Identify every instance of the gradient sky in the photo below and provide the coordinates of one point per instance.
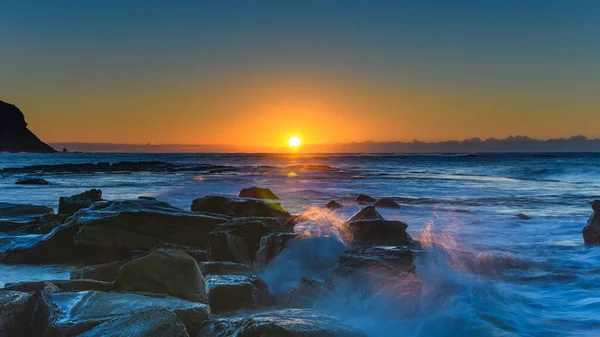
(256, 72)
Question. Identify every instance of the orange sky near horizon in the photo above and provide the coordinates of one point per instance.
(265, 110)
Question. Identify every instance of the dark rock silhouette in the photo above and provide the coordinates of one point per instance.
(386, 202)
(333, 205)
(231, 292)
(72, 204)
(363, 198)
(257, 193)
(523, 216)
(591, 232)
(32, 181)
(152, 322)
(14, 135)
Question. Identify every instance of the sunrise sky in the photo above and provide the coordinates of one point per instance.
(256, 73)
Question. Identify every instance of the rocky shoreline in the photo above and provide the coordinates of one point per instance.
(147, 268)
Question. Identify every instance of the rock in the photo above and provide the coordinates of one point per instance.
(14, 134)
(363, 198)
(238, 207)
(61, 285)
(333, 205)
(382, 275)
(270, 246)
(281, 323)
(68, 205)
(236, 241)
(73, 313)
(225, 268)
(386, 202)
(377, 232)
(523, 216)
(304, 294)
(165, 272)
(111, 231)
(257, 193)
(45, 224)
(103, 272)
(141, 225)
(591, 232)
(16, 311)
(146, 323)
(232, 292)
(366, 213)
(32, 181)
(22, 213)
(143, 197)
(199, 255)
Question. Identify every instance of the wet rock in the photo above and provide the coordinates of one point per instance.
(333, 205)
(72, 313)
(523, 216)
(143, 197)
(141, 225)
(383, 275)
(68, 205)
(232, 292)
(199, 255)
(257, 193)
(284, 323)
(32, 181)
(16, 311)
(236, 241)
(45, 224)
(591, 232)
(61, 285)
(270, 246)
(377, 232)
(147, 323)
(304, 294)
(238, 207)
(14, 134)
(16, 214)
(363, 198)
(103, 272)
(166, 272)
(366, 213)
(387, 203)
(225, 268)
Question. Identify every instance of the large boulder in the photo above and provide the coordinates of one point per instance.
(270, 246)
(366, 213)
(147, 323)
(257, 193)
(377, 232)
(32, 181)
(281, 323)
(225, 268)
(68, 205)
(238, 207)
(232, 292)
(16, 311)
(44, 224)
(14, 134)
(333, 205)
(111, 231)
(591, 232)
(236, 241)
(366, 277)
(199, 255)
(304, 294)
(73, 313)
(106, 272)
(164, 271)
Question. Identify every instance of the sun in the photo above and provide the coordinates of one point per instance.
(294, 142)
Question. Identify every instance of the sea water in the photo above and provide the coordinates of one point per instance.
(485, 271)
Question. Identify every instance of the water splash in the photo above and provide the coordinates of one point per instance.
(318, 222)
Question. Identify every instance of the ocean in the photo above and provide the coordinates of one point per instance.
(485, 271)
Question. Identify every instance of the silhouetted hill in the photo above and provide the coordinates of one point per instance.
(14, 135)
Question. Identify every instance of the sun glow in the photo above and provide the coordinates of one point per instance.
(294, 142)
